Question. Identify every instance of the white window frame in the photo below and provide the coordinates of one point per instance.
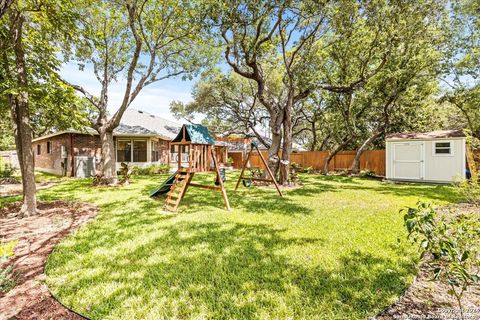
(434, 148)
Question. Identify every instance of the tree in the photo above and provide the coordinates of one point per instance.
(413, 34)
(141, 42)
(279, 46)
(228, 103)
(4, 4)
(30, 33)
(462, 63)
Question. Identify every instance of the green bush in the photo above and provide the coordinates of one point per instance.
(470, 190)
(7, 277)
(152, 169)
(6, 169)
(451, 244)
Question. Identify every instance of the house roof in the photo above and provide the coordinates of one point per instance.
(166, 129)
(440, 134)
(195, 133)
(121, 130)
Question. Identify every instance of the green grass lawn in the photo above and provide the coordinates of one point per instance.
(334, 249)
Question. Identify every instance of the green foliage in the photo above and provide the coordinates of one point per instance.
(47, 32)
(6, 169)
(7, 276)
(152, 169)
(7, 250)
(470, 190)
(451, 243)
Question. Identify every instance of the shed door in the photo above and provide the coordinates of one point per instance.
(408, 160)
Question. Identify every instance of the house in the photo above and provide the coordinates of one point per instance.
(438, 156)
(141, 139)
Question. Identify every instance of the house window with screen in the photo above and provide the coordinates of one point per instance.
(443, 148)
(39, 149)
(124, 151)
(49, 147)
(139, 151)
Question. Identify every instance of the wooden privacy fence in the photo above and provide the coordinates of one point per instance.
(373, 160)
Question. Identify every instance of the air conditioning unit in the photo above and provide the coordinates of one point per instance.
(84, 166)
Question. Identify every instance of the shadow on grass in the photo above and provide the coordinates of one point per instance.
(221, 271)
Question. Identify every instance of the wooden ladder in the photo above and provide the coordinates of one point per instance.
(177, 190)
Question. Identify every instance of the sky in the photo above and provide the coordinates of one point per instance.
(154, 99)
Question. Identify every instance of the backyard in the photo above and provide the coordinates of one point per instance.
(335, 248)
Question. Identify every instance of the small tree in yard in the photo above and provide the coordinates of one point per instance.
(451, 246)
(141, 42)
(31, 38)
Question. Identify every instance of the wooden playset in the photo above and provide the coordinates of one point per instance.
(195, 154)
(254, 146)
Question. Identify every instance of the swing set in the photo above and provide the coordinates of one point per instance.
(247, 181)
(195, 154)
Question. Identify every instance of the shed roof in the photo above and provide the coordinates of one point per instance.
(195, 133)
(440, 134)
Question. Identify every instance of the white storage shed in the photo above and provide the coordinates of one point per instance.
(437, 156)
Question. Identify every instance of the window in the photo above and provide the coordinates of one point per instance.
(155, 153)
(124, 151)
(443, 148)
(132, 151)
(39, 149)
(49, 147)
(139, 151)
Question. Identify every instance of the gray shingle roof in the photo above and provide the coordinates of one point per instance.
(164, 128)
(126, 129)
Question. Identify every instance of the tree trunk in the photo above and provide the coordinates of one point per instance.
(334, 153)
(356, 161)
(274, 150)
(4, 4)
(314, 136)
(19, 108)
(287, 146)
(108, 163)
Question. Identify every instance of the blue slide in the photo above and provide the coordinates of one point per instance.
(164, 187)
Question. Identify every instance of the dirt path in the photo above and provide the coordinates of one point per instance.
(36, 237)
(13, 189)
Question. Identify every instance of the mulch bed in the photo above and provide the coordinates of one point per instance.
(37, 235)
(426, 299)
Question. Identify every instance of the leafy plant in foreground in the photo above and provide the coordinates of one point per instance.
(451, 244)
(7, 279)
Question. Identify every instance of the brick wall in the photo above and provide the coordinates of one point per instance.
(52, 162)
(83, 145)
(163, 151)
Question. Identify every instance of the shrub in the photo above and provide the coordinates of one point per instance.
(452, 245)
(470, 190)
(7, 277)
(152, 169)
(6, 169)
